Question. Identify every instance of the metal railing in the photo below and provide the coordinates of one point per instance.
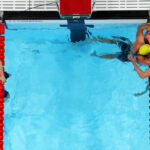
(122, 5)
(29, 5)
(53, 5)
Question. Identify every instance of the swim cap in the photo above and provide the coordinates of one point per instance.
(149, 27)
(144, 49)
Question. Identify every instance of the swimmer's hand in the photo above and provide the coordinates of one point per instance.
(133, 60)
(2, 79)
(143, 27)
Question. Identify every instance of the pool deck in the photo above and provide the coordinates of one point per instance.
(86, 21)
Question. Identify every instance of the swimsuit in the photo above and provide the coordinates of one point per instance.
(125, 50)
(6, 92)
(148, 32)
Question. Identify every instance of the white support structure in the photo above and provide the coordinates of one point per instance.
(1, 16)
(28, 5)
(110, 5)
(50, 5)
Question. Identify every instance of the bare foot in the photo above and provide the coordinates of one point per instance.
(93, 54)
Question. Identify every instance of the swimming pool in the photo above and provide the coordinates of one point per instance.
(61, 98)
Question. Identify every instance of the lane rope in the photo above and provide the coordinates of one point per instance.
(2, 44)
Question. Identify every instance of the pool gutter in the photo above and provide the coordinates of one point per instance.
(86, 21)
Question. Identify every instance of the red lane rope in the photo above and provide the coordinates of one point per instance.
(2, 44)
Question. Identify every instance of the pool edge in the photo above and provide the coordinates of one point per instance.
(86, 21)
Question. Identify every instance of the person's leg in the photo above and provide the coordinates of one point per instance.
(124, 39)
(125, 48)
(142, 93)
(106, 56)
(109, 56)
(103, 40)
(106, 40)
(94, 54)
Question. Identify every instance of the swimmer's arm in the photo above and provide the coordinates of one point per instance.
(143, 60)
(1, 69)
(143, 27)
(139, 36)
(136, 46)
(2, 77)
(138, 70)
(141, 73)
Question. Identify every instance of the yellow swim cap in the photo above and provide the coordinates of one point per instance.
(149, 27)
(144, 49)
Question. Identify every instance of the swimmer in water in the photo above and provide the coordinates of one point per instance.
(127, 48)
(123, 43)
(141, 50)
(140, 41)
(3, 77)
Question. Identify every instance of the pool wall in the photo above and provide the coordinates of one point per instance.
(48, 15)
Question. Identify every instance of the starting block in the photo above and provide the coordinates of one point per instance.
(75, 9)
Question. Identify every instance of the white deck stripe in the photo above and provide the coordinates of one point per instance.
(86, 21)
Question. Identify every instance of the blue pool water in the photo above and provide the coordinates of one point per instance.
(61, 98)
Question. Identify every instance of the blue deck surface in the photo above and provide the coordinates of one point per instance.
(61, 98)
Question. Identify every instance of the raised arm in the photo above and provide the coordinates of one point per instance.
(139, 37)
(145, 26)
